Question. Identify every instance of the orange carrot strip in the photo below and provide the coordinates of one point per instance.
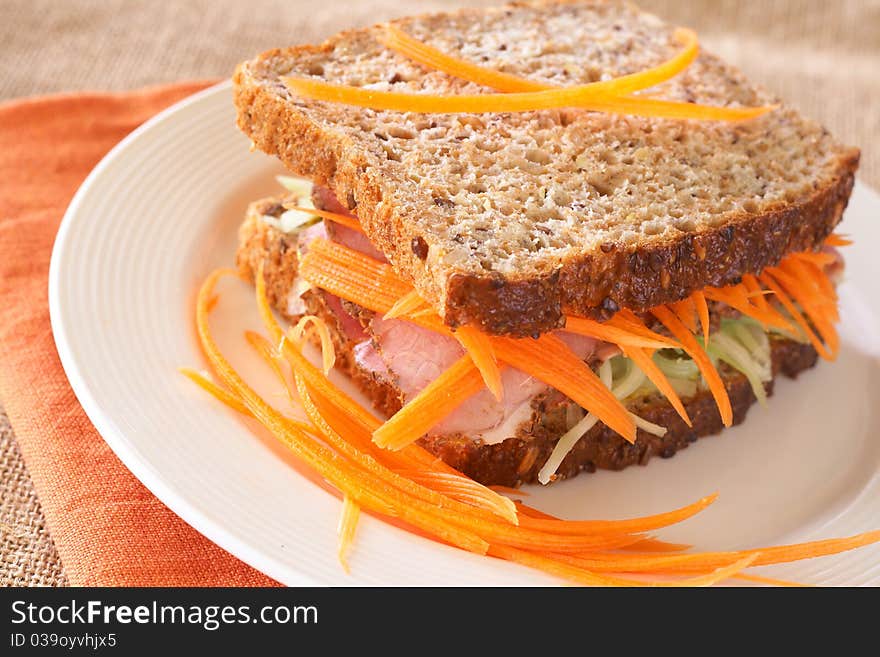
(662, 579)
(550, 360)
(649, 368)
(463, 489)
(348, 521)
(812, 303)
(352, 276)
(399, 41)
(813, 265)
(405, 305)
(407, 462)
(771, 581)
(698, 354)
(527, 101)
(642, 524)
(686, 311)
(567, 567)
(812, 277)
(736, 296)
(628, 320)
(835, 239)
(703, 313)
(437, 400)
(507, 490)
(609, 333)
(344, 219)
(479, 347)
(703, 560)
(653, 545)
(216, 391)
(788, 304)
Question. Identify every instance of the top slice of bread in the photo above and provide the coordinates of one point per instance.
(512, 220)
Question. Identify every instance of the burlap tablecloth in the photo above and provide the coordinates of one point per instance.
(824, 57)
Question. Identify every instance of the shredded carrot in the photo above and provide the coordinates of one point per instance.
(216, 391)
(439, 398)
(737, 296)
(462, 489)
(643, 524)
(365, 488)
(550, 360)
(649, 368)
(653, 545)
(507, 490)
(610, 333)
(628, 320)
(352, 276)
(399, 41)
(348, 521)
(813, 304)
(527, 101)
(704, 560)
(835, 239)
(479, 347)
(703, 312)
(812, 265)
(770, 581)
(434, 500)
(344, 219)
(686, 311)
(405, 305)
(788, 304)
(698, 354)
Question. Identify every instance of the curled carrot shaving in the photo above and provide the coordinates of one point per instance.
(695, 351)
(550, 360)
(399, 41)
(328, 351)
(439, 398)
(609, 333)
(649, 368)
(348, 521)
(703, 312)
(526, 101)
(479, 347)
(344, 219)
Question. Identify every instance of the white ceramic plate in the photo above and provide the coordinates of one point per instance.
(161, 210)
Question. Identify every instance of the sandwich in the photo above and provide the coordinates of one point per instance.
(544, 238)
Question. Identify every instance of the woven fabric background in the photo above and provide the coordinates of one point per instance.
(823, 57)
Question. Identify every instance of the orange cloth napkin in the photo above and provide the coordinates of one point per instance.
(108, 528)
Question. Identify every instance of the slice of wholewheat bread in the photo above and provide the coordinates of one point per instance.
(508, 220)
(519, 458)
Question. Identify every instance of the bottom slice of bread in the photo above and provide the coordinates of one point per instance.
(518, 459)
